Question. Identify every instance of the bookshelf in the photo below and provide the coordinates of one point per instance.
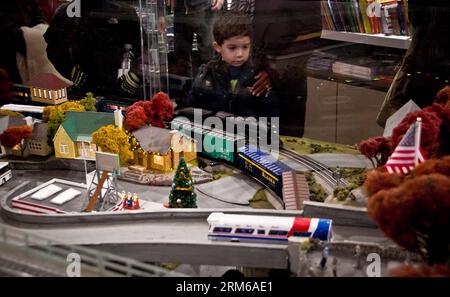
(393, 41)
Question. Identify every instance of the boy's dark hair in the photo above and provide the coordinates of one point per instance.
(230, 24)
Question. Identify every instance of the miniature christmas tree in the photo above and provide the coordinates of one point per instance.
(182, 194)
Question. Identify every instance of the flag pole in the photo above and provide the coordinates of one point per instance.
(417, 140)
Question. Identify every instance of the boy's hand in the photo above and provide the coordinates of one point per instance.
(262, 86)
(216, 5)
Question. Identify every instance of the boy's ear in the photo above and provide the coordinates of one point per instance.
(217, 47)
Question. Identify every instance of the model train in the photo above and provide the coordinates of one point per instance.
(213, 143)
(266, 229)
(263, 166)
(235, 148)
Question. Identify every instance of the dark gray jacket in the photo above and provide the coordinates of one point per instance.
(192, 5)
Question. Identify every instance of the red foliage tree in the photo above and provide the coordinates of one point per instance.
(443, 96)
(161, 110)
(154, 112)
(376, 149)
(440, 270)
(14, 135)
(435, 130)
(135, 118)
(377, 181)
(441, 166)
(431, 124)
(416, 215)
(6, 86)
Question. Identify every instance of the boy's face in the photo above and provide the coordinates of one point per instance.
(234, 50)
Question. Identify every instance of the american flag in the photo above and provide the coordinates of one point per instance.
(408, 152)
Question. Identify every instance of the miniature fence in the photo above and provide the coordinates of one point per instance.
(105, 264)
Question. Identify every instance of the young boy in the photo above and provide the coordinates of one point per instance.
(224, 84)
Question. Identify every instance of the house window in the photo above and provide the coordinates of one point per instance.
(40, 93)
(63, 148)
(34, 92)
(64, 92)
(50, 94)
(158, 160)
(45, 94)
(59, 94)
(56, 94)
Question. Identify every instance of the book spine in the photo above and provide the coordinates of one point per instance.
(401, 19)
(332, 4)
(351, 16)
(342, 17)
(386, 21)
(363, 11)
(358, 15)
(393, 15)
(327, 21)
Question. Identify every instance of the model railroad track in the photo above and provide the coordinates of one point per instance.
(318, 168)
(19, 268)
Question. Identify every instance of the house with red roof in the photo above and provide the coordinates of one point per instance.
(48, 88)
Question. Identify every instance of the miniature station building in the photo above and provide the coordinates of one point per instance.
(162, 148)
(73, 139)
(48, 88)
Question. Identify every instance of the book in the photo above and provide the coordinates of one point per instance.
(403, 20)
(365, 17)
(327, 20)
(391, 13)
(337, 20)
(353, 70)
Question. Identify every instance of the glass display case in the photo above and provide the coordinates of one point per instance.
(264, 106)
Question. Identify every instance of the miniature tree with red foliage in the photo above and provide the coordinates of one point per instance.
(440, 270)
(16, 135)
(415, 213)
(161, 110)
(431, 124)
(154, 112)
(135, 118)
(376, 148)
(435, 130)
(5, 87)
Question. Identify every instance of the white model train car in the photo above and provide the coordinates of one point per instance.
(26, 110)
(269, 229)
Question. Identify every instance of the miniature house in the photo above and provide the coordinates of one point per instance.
(48, 88)
(73, 139)
(38, 143)
(163, 148)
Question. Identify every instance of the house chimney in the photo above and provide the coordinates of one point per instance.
(118, 118)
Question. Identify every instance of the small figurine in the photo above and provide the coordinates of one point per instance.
(129, 203)
(358, 256)
(334, 266)
(323, 261)
(135, 201)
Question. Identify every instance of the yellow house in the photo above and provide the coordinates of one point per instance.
(73, 139)
(48, 88)
(163, 148)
